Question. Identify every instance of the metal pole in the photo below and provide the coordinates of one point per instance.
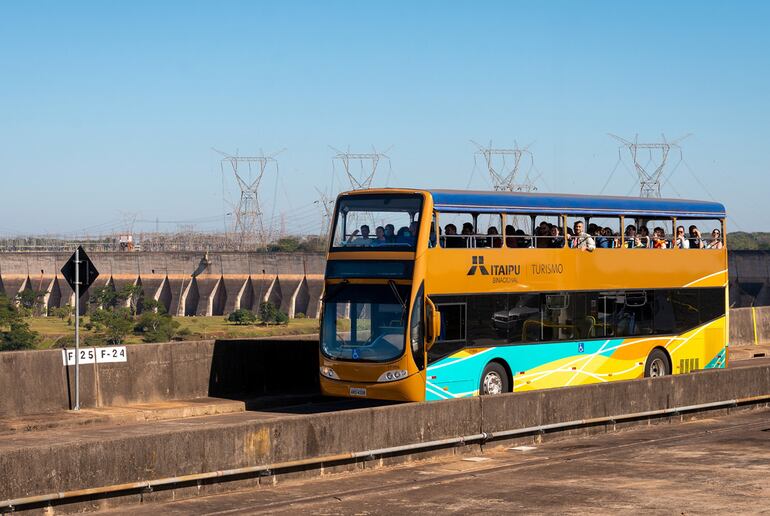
(77, 329)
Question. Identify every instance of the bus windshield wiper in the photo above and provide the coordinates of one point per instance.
(400, 299)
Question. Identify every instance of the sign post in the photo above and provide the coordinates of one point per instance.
(77, 329)
(80, 273)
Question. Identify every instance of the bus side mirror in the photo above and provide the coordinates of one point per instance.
(433, 320)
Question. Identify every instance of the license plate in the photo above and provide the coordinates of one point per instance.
(357, 391)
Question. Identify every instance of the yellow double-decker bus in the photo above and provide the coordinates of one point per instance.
(437, 294)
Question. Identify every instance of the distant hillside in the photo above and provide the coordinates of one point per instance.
(741, 241)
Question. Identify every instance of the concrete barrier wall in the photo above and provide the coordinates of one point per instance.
(171, 450)
(750, 326)
(34, 382)
(37, 382)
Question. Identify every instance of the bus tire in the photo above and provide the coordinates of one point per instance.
(494, 380)
(657, 364)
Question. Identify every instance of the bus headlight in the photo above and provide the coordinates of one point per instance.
(328, 372)
(392, 376)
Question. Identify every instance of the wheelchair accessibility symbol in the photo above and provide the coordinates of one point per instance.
(580, 347)
(355, 354)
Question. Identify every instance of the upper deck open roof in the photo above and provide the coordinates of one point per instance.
(515, 202)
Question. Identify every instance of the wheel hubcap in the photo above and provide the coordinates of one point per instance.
(493, 384)
(657, 368)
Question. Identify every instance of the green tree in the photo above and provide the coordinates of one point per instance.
(14, 331)
(285, 245)
(313, 244)
(30, 301)
(267, 311)
(242, 316)
(103, 297)
(155, 324)
(117, 323)
(132, 295)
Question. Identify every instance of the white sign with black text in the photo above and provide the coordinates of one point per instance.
(95, 355)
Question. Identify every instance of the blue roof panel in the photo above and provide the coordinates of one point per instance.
(516, 202)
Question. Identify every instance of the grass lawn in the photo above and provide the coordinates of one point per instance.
(51, 328)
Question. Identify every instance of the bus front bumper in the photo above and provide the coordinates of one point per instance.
(411, 388)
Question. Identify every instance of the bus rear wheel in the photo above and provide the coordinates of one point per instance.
(657, 364)
(494, 380)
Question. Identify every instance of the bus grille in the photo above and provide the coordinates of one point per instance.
(687, 365)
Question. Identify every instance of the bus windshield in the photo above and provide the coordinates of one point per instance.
(365, 322)
(387, 222)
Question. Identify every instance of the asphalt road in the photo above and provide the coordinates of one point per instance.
(706, 466)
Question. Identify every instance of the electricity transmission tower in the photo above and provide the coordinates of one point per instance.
(657, 154)
(249, 171)
(504, 166)
(363, 178)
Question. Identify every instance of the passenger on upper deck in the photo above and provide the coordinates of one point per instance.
(521, 239)
(379, 236)
(557, 241)
(363, 240)
(390, 233)
(644, 237)
(659, 238)
(604, 238)
(413, 227)
(404, 236)
(680, 241)
(582, 240)
(631, 241)
(696, 242)
(467, 233)
(452, 240)
(716, 241)
(494, 242)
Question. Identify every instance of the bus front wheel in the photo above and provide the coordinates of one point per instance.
(494, 379)
(657, 364)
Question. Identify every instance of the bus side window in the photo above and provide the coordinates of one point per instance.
(456, 230)
(518, 231)
(452, 335)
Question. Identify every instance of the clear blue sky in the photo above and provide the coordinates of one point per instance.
(110, 109)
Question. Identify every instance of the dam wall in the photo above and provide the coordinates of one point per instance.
(185, 283)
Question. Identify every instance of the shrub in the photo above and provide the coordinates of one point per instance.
(61, 312)
(242, 316)
(299, 315)
(281, 318)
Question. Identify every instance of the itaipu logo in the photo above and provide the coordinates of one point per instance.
(501, 272)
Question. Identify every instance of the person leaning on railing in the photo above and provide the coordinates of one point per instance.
(659, 238)
(716, 240)
(582, 240)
